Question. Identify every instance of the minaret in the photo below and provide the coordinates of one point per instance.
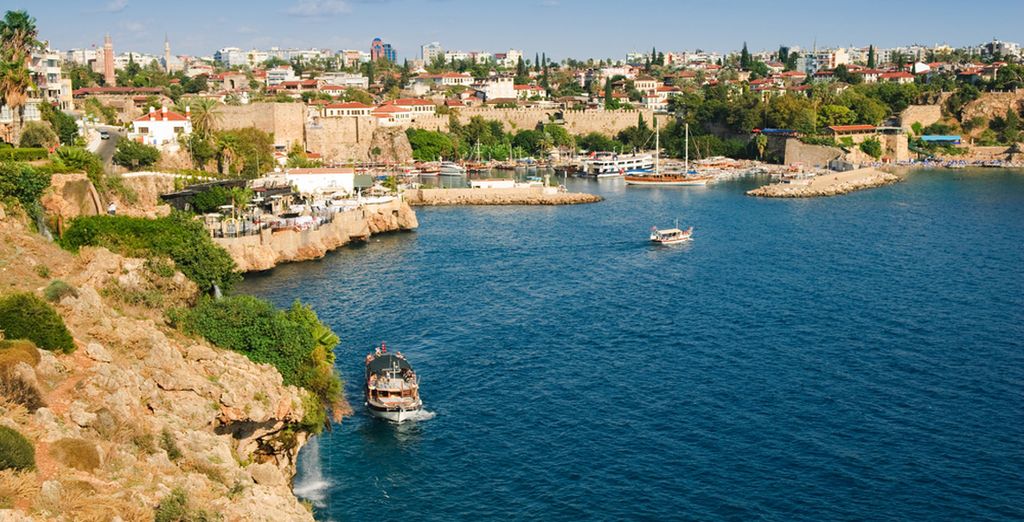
(109, 78)
(167, 55)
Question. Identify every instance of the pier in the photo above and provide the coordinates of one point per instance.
(827, 184)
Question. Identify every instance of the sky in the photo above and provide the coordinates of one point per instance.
(561, 28)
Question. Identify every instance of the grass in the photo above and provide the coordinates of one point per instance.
(58, 290)
(16, 486)
(76, 453)
(168, 444)
(43, 271)
(149, 298)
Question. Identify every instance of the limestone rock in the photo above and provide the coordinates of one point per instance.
(97, 352)
(266, 474)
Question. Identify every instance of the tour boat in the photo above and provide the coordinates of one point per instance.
(450, 168)
(612, 165)
(671, 236)
(657, 178)
(392, 387)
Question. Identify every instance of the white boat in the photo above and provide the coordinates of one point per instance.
(612, 165)
(391, 387)
(450, 168)
(671, 236)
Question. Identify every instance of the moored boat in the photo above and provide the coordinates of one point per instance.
(450, 168)
(612, 165)
(391, 386)
(657, 178)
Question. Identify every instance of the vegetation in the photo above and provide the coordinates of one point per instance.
(18, 38)
(22, 183)
(175, 507)
(294, 341)
(133, 155)
(872, 147)
(177, 237)
(16, 452)
(62, 123)
(37, 134)
(76, 453)
(25, 316)
(169, 445)
(9, 154)
(57, 290)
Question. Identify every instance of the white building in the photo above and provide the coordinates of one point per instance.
(392, 116)
(322, 180)
(430, 51)
(280, 74)
(338, 110)
(343, 79)
(425, 83)
(231, 57)
(50, 84)
(415, 106)
(496, 87)
(161, 128)
(510, 58)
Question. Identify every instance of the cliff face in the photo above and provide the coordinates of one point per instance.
(139, 409)
(267, 250)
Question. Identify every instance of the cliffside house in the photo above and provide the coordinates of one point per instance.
(161, 128)
(337, 110)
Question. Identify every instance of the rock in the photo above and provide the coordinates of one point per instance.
(80, 416)
(266, 474)
(50, 493)
(199, 352)
(97, 352)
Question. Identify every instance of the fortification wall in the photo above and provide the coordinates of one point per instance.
(576, 122)
(810, 155)
(923, 114)
(284, 120)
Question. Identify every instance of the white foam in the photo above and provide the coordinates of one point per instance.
(309, 482)
(423, 415)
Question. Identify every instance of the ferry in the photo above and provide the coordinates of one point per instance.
(392, 388)
(612, 165)
(450, 168)
(671, 236)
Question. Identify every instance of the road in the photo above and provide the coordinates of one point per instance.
(105, 148)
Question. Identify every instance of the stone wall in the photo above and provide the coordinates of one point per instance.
(353, 139)
(576, 122)
(809, 155)
(923, 114)
(286, 121)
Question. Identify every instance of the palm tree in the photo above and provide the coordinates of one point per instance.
(205, 114)
(17, 41)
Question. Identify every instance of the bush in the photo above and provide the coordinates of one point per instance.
(872, 147)
(132, 154)
(16, 452)
(58, 290)
(22, 182)
(23, 154)
(37, 135)
(168, 444)
(183, 240)
(77, 158)
(25, 316)
(293, 341)
(175, 508)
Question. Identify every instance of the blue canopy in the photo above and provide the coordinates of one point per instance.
(934, 138)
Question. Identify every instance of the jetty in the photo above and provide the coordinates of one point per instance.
(497, 196)
(834, 184)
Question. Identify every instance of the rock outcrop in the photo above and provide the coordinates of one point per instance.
(139, 410)
(271, 248)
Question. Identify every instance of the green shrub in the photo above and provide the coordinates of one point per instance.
(42, 271)
(22, 182)
(168, 444)
(16, 452)
(293, 341)
(872, 147)
(183, 240)
(58, 290)
(132, 154)
(77, 158)
(37, 135)
(175, 508)
(25, 316)
(20, 154)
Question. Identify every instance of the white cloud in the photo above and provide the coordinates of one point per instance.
(115, 6)
(318, 8)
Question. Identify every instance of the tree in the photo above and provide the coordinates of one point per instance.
(1011, 127)
(204, 113)
(783, 55)
(871, 57)
(744, 58)
(608, 93)
(522, 77)
(791, 60)
(132, 154)
(536, 62)
(17, 41)
(872, 147)
(62, 123)
(37, 134)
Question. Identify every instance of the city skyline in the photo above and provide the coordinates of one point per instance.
(457, 24)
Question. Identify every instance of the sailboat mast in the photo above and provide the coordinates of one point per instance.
(657, 147)
(687, 166)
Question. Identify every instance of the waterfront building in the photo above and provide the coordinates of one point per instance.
(161, 128)
(415, 106)
(392, 116)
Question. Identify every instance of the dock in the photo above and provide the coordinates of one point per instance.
(825, 185)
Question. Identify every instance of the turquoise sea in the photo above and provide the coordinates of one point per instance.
(849, 358)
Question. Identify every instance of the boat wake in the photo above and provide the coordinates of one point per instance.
(423, 415)
(310, 483)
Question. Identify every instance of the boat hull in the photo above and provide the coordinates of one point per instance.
(670, 241)
(667, 183)
(393, 414)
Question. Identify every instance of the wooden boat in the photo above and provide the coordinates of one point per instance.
(392, 388)
(671, 236)
(657, 178)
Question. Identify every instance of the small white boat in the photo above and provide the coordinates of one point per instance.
(671, 236)
(450, 168)
(392, 388)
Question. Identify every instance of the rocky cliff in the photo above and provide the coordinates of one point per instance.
(267, 250)
(139, 410)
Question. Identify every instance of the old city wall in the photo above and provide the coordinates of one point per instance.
(576, 122)
(350, 139)
(284, 120)
(923, 114)
(809, 155)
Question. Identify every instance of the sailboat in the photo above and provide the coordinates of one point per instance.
(667, 179)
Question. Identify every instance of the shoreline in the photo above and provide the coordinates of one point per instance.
(828, 185)
(497, 197)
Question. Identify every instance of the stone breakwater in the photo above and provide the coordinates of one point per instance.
(828, 184)
(517, 196)
(270, 248)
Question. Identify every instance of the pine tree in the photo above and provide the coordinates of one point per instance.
(536, 62)
(521, 74)
(744, 58)
(871, 57)
(608, 92)
(783, 53)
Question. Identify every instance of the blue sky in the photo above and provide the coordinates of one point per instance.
(576, 28)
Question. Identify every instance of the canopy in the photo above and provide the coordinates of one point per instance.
(386, 361)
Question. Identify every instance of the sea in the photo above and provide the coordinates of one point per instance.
(850, 358)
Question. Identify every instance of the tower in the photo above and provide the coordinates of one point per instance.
(109, 78)
(167, 55)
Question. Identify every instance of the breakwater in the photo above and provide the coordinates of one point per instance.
(512, 196)
(827, 185)
(269, 248)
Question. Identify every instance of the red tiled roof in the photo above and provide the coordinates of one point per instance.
(890, 75)
(386, 108)
(852, 128)
(332, 88)
(159, 116)
(454, 103)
